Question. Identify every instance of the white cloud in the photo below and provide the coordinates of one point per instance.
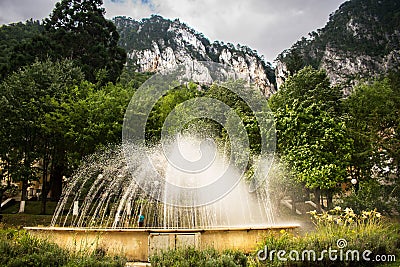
(268, 26)
(21, 10)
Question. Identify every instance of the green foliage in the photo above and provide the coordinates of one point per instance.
(26, 100)
(51, 113)
(308, 86)
(373, 121)
(192, 257)
(163, 108)
(93, 117)
(316, 147)
(241, 108)
(367, 230)
(79, 31)
(311, 137)
(76, 30)
(12, 36)
(372, 195)
(19, 248)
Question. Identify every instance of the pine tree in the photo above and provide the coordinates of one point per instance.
(79, 31)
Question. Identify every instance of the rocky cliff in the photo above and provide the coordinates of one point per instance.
(156, 43)
(360, 41)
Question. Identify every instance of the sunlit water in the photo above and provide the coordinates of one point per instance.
(111, 193)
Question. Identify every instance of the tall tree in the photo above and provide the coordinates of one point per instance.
(374, 123)
(27, 99)
(311, 135)
(79, 31)
(12, 36)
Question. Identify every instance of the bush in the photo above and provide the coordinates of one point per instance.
(192, 257)
(371, 195)
(19, 248)
(337, 229)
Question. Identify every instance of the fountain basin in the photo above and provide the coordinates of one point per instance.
(138, 244)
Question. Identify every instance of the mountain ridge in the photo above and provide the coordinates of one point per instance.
(360, 41)
(156, 43)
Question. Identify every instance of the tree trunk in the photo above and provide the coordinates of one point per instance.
(23, 196)
(318, 199)
(1, 201)
(56, 181)
(44, 188)
(57, 170)
(329, 199)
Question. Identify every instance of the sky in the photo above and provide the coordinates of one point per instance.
(268, 26)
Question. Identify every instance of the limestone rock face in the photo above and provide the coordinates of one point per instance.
(155, 44)
(361, 41)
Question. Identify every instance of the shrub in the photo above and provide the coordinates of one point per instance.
(337, 229)
(371, 195)
(19, 248)
(193, 257)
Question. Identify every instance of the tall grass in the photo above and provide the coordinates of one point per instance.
(188, 257)
(339, 231)
(19, 248)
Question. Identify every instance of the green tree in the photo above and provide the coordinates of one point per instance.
(75, 30)
(27, 98)
(12, 36)
(93, 117)
(238, 105)
(311, 136)
(90, 117)
(374, 123)
(164, 106)
(79, 31)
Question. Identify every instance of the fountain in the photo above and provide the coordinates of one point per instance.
(186, 190)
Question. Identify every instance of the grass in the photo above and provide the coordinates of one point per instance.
(32, 207)
(187, 257)
(31, 216)
(19, 248)
(366, 231)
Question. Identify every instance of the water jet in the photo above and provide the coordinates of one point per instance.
(110, 203)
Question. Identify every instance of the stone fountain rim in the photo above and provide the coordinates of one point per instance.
(161, 230)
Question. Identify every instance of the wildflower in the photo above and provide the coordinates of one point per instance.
(313, 212)
(338, 208)
(366, 213)
(330, 218)
(282, 231)
(349, 211)
(350, 220)
(378, 215)
(339, 221)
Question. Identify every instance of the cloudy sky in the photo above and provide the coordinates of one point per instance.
(268, 26)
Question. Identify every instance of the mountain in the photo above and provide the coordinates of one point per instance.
(156, 43)
(360, 41)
